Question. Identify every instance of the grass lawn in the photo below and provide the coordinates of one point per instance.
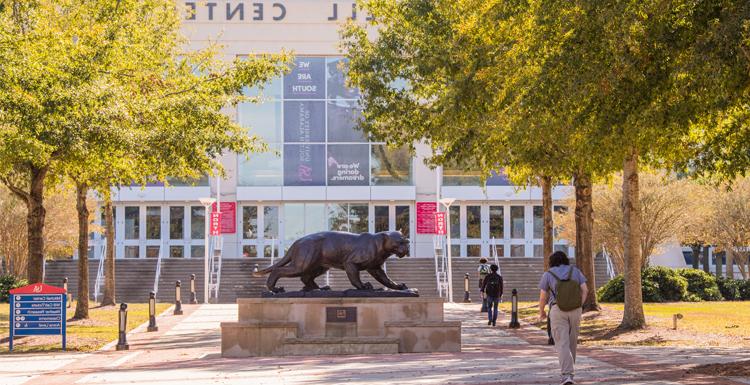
(703, 324)
(83, 335)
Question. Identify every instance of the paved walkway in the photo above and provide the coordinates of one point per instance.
(187, 350)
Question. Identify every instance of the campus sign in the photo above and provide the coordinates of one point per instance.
(36, 310)
(270, 11)
(426, 217)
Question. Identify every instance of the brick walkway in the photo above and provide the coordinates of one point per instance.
(186, 350)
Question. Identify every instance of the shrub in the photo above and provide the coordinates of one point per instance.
(670, 286)
(744, 290)
(8, 282)
(612, 291)
(729, 288)
(701, 285)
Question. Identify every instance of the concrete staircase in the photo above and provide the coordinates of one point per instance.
(135, 278)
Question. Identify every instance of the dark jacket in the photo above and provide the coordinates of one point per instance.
(499, 289)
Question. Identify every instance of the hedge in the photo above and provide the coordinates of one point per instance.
(8, 282)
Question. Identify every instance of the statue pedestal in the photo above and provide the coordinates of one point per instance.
(338, 326)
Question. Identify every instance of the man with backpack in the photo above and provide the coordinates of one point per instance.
(564, 288)
(483, 270)
(492, 287)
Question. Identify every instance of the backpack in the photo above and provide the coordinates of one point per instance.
(492, 285)
(484, 269)
(567, 292)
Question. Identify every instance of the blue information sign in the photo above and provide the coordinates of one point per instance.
(37, 309)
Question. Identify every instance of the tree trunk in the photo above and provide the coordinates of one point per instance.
(706, 266)
(82, 305)
(546, 183)
(584, 216)
(633, 317)
(719, 264)
(696, 248)
(109, 262)
(730, 263)
(35, 225)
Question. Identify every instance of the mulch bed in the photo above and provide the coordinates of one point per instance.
(731, 369)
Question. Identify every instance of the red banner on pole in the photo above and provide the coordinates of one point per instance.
(215, 224)
(440, 223)
(228, 217)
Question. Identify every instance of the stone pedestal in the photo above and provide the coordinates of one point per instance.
(320, 326)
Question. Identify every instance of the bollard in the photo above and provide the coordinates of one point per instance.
(177, 301)
(467, 299)
(152, 312)
(193, 298)
(65, 287)
(122, 342)
(675, 317)
(550, 340)
(514, 311)
(255, 268)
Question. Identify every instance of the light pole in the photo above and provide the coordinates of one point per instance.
(206, 202)
(447, 202)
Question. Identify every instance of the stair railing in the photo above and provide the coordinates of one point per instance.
(493, 249)
(214, 269)
(610, 265)
(157, 275)
(440, 262)
(99, 273)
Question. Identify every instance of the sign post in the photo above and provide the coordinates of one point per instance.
(37, 310)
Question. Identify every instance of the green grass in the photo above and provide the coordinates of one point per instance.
(83, 335)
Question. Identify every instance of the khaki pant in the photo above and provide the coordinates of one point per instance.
(565, 327)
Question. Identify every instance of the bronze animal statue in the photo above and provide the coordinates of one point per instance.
(312, 255)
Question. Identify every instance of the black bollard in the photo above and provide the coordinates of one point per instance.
(550, 340)
(193, 298)
(67, 295)
(152, 312)
(467, 298)
(177, 301)
(514, 324)
(122, 326)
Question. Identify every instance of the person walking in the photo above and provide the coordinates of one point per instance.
(564, 288)
(482, 271)
(492, 287)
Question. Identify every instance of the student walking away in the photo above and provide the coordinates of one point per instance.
(482, 271)
(492, 287)
(564, 288)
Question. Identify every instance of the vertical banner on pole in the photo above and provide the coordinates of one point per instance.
(440, 223)
(215, 226)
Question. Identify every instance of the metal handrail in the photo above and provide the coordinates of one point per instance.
(99, 273)
(608, 260)
(158, 270)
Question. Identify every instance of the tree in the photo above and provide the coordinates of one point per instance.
(729, 224)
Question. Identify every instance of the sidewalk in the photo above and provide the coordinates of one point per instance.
(187, 350)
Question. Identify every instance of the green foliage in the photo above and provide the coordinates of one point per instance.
(744, 290)
(8, 282)
(701, 285)
(730, 288)
(612, 291)
(659, 284)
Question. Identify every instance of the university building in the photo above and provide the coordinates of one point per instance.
(322, 173)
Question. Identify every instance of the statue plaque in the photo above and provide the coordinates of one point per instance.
(341, 314)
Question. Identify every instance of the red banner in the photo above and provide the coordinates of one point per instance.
(215, 224)
(440, 223)
(426, 217)
(228, 217)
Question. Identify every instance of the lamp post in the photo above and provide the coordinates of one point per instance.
(447, 202)
(206, 202)
(193, 298)
(122, 326)
(152, 313)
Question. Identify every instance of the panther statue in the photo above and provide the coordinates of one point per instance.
(312, 255)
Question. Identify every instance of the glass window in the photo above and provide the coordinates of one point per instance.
(269, 249)
(132, 222)
(304, 121)
(153, 223)
(455, 251)
(304, 165)
(176, 252)
(270, 90)
(455, 218)
(517, 224)
(500, 250)
(381, 218)
(473, 222)
(497, 222)
(560, 247)
(343, 117)
(176, 222)
(261, 119)
(455, 176)
(152, 251)
(336, 69)
(301, 219)
(402, 220)
(197, 251)
(132, 251)
(348, 165)
(260, 169)
(337, 218)
(182, 182)
(359, 218)
(271, 222)
(498, 178)
(390, 167)
(559, 212)
(539, 251)
(197, 222)
(306, 80)
(517, 251)
(538, 222)
(249, 251)
(104, 221)
(249, 222)
(474, 250)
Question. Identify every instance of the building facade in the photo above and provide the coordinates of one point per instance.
(322, 173)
